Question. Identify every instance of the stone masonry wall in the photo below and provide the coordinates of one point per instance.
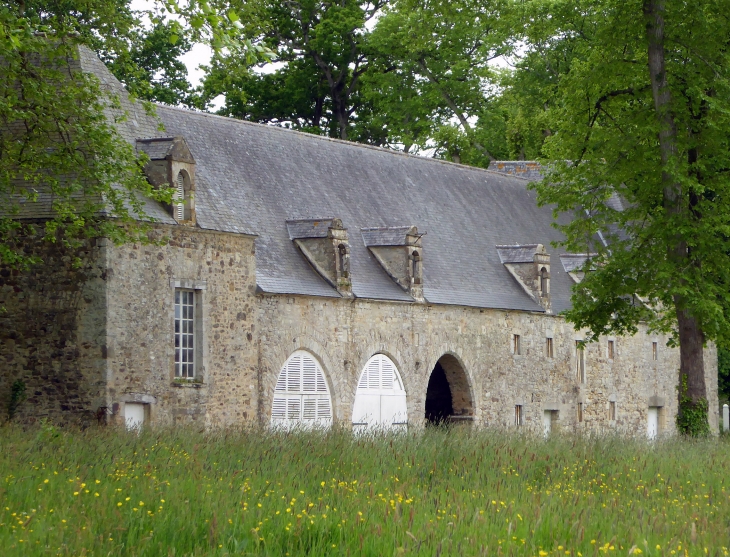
(142, 280)
(52, 333)
(344, 334)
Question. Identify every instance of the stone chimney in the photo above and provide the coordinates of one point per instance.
(172, 165)
(325, 244)
(529, 264)
(399, 251)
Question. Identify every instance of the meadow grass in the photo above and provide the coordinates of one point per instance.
(438, 492)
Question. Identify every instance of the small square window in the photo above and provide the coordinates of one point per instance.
(516, 349)
(549, 347)
(654, 351)
(580, 412)
(519, 415)
(610, 349)
(612, 411)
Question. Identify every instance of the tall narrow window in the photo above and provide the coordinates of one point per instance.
(612, 411)
(184, 334)
(580, 412)
(580, 363)
(610, 350)
(417, 268)
(179, 197)
(544, 282)
(549, 347)
(654, 350)
(516, 349)
(344, 266)
(519, 415)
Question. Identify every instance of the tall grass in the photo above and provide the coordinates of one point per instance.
(439, 492)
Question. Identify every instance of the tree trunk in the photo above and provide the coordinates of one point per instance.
(691, 338)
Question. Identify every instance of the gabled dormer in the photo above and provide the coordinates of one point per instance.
(529, 264)
(325, 244)
(574, 264)
(399, 251)
(171, 164)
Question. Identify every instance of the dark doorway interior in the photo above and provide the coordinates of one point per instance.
(438, 397)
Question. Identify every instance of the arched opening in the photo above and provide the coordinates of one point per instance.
(544, 282)
(302, 396)
(448, 396)
(380, 401)
(181, 197)
(343, 261)
(417, 268)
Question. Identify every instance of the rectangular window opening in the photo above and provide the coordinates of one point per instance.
(516, 345)
(185, 337)
(612, 411)
(580, 362)
(549, 347)
(580, 412)
(519, 415)
(610, 350)
(654, 350)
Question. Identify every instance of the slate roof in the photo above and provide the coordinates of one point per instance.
(308, 228)
(517, 254)
(385, 236)
(252, 178)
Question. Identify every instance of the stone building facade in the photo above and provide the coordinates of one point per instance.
(299, 280)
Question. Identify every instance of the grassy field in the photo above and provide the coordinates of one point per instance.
(104, 492)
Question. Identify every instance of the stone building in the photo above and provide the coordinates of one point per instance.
(304, 280)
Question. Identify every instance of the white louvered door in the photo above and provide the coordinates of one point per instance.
(301, 396)
(380, 401)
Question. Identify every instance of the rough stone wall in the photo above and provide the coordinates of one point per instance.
(52, 333)
(141, 285)
(344, 334)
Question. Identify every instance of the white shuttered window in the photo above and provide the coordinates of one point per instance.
(178, 199)
(302, 397)
(380, 401)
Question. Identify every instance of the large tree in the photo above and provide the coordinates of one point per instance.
(640, 131)
(313, 80)
(432, 81)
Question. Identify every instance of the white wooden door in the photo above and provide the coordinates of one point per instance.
(547, 422)
(653, 422)
(134, 415)
(302, 396)
(380, 401)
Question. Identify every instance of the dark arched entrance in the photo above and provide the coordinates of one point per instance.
(448, 396)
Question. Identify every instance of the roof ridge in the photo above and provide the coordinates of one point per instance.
(341, 141)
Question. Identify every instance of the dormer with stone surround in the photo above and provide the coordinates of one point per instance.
(325, 244)
(172, 165)
(529, 264)
(399, 251)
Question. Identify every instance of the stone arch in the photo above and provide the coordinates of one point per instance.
(276, 356)
(449, 394)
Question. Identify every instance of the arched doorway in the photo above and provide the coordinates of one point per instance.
(302, 396)
(448, 396)
(380, 401)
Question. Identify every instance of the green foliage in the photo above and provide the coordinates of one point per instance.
(661, 254)
(692, 415)
(16, 398)
(442, 491)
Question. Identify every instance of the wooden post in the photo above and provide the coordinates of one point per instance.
(725, 417)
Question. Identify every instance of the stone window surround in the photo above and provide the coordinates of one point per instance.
(199, 287)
